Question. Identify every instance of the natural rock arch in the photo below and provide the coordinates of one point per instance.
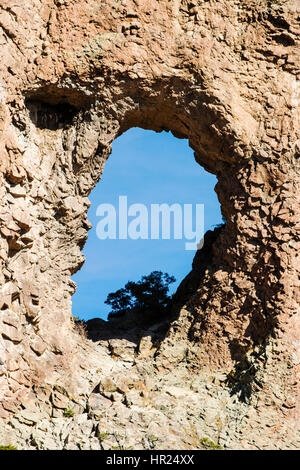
(218, 73)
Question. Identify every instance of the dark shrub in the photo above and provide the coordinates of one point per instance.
(150, 294)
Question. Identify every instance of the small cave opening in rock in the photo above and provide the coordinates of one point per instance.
(147, 172)
(53, 108)
(51, 116)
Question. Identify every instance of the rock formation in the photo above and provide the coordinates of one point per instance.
(75, 75)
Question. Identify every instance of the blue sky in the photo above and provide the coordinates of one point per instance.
(148, 168)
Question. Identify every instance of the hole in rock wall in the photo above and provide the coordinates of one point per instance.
(51, 116)
(145, 168)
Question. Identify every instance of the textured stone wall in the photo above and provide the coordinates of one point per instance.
(223, 74)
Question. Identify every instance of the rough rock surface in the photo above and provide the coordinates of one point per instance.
(74, 76)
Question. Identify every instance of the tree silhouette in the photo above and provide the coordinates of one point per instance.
(150, 295)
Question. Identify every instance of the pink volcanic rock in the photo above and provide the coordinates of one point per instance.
(223, 74)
